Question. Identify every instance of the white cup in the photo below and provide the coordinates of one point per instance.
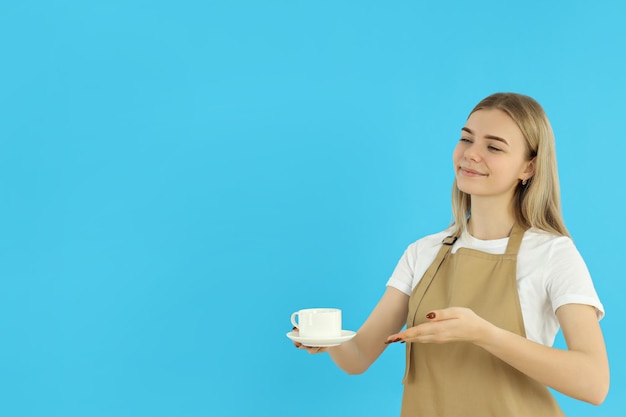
(323, 323)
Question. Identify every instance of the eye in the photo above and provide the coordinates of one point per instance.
(494, 149)
(466, 140)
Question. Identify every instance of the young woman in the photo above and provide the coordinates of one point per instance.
(483, 300)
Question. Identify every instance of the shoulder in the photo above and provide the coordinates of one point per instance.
(550, 252)
(429, 241)
(416, 258)
(425, 248)
(548, 245)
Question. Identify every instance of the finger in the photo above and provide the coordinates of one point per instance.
(425, 334)
(444, 314)
(412, 334)
(398, 337)
(432, 315)
(402, 336)
(313, 349)
(419, 339)
(392, 338)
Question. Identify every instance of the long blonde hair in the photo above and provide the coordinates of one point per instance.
(538, 202)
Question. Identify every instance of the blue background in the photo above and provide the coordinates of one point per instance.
(177, 177)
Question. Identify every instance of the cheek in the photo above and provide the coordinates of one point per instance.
(457, 155)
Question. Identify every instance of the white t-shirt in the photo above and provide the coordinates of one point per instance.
(550, 273)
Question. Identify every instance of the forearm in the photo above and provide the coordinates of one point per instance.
(578, 374)
(389, 315)
(350, 357)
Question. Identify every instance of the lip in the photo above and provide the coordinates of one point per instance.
(470, 172)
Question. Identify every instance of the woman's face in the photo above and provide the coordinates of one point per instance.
(491, 157)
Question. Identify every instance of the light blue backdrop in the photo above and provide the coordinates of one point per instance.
(177, 177)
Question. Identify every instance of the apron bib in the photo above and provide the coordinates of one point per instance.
(460, 379)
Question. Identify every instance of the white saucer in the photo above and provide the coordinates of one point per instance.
(316, 342)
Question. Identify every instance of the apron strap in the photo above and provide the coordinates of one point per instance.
(430, 273)
(515, 240)
(422, 287)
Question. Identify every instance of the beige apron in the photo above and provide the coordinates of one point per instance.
(460, 379)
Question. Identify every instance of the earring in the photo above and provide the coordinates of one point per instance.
(524, 181)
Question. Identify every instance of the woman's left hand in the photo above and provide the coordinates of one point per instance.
(454, 324)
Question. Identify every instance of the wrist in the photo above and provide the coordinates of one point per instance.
(487, 335)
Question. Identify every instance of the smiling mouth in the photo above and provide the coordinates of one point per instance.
(470, 173)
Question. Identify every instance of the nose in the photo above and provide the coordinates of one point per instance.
(472, 153)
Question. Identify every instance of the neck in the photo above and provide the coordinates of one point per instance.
(490, 219)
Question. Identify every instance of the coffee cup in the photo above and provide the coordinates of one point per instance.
(322, 323)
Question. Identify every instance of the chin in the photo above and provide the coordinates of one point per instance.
(462, 186)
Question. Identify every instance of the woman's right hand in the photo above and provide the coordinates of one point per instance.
(311, 349)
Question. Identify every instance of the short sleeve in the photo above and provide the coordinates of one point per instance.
(402, 276)
(568, 280)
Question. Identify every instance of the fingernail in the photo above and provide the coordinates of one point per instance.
(430, 316)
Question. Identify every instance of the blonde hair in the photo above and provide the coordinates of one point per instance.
(538, 202)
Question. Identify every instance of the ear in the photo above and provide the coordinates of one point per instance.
(529, 170)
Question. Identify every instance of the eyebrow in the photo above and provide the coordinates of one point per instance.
(465, 129)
